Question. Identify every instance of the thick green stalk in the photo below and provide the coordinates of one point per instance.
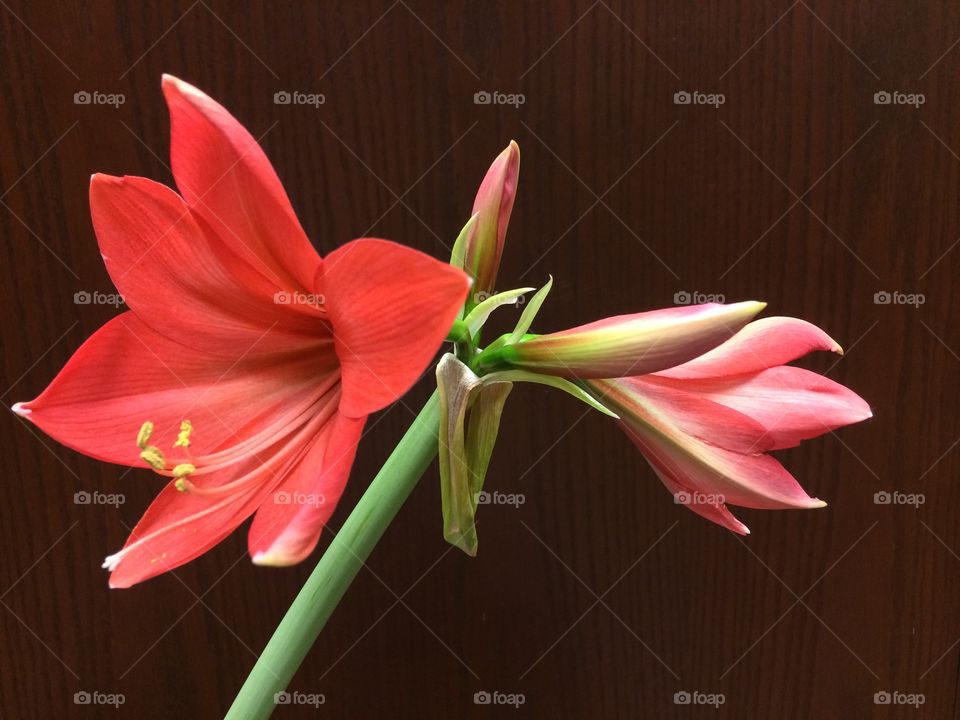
(338, 567)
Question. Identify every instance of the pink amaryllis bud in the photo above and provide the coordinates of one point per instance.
(706, 425)
(629, 345)
(493, 205)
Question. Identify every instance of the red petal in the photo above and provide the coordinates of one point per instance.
(289, 522)
(701, 417)
(749, 480)
(227, 179)
(793, 404)
(699, 503)
(762, 344)
(390, 308)
(126, 374)
(662, 427)
(177, 528)
(182, 281)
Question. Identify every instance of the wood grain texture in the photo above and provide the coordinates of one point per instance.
(598, 597)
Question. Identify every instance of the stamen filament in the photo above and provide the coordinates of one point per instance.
(251, 477)
(264, 438)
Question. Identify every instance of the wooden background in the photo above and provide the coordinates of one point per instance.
(598, 597)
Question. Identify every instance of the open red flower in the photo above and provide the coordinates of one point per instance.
(247, 364)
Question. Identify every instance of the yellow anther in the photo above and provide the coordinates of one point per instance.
(182, 485)
(183, 437)
(182, 470)
(153, 457)
(143, 437)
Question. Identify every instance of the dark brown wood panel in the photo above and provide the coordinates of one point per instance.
(598, 597)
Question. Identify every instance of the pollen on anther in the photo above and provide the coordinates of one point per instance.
(183, 437)
(152, 455)
(143, 437)
(182, 470)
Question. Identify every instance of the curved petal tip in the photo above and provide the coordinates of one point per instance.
(273, 559)
(21, 409)
(171, 82)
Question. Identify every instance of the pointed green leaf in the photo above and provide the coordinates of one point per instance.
(457, 257)
(530, 312)
(478, 316)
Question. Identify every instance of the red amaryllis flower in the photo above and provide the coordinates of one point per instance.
(246, 365)
(704, 426)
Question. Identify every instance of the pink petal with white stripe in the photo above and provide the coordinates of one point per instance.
(793, 404)
(762, 344)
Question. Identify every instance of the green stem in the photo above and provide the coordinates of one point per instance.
(338, 567)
